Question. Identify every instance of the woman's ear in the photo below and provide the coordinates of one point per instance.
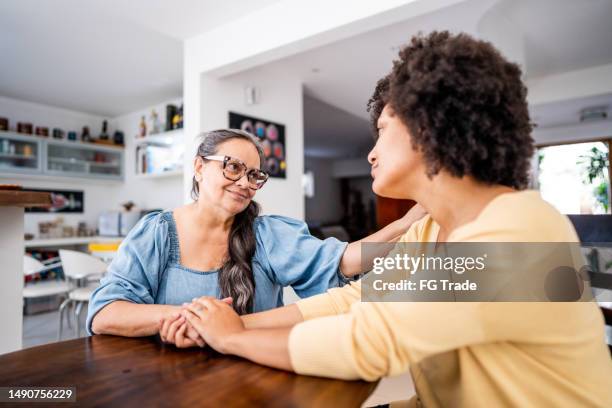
(198, 164)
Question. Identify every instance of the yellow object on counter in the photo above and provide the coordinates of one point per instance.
(104, 246)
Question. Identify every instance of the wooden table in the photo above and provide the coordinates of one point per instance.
(143, 372)
(12, 203)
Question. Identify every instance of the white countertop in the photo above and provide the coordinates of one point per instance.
(53, 242)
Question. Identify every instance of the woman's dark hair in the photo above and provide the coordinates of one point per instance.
(236, 275)
(464, 105)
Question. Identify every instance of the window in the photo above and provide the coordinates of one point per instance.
(575, 178)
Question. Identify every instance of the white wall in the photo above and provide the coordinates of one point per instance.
(281, 102)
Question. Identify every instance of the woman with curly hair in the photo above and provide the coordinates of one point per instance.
(453, 133)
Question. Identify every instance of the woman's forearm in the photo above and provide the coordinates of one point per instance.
(128, 319)
(269, 347)
(287, 316)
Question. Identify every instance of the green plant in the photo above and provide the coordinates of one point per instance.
(597, 164)
(601, 194)
(540, 158)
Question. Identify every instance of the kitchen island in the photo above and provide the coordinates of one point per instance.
(12, 204)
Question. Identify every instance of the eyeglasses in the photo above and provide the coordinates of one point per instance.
(235, 169)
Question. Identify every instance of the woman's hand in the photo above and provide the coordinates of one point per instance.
(174, 329)
(214, 320)
(415, 213)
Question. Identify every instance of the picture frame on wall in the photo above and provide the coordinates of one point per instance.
(63, 201)
(272, 137)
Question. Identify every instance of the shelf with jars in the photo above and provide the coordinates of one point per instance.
(20, 154)
(25, 155)
(159, 153)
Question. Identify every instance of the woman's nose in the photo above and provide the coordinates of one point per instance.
(243, 182)
(371, 157)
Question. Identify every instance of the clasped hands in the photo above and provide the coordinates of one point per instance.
(205, 320)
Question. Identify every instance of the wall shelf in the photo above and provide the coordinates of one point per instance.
(17, 156)
(159, 155)
(34, 156)
(82, 162)
(164, 174)
(164, 138)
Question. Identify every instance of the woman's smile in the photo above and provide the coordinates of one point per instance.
(237, 195)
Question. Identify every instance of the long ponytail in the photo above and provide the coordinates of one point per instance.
(236, 275)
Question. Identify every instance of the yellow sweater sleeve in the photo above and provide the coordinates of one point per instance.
(334, 301)
(377, 339)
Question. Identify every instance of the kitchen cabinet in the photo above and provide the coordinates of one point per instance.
(25, 155)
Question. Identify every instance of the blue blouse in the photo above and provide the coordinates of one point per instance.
(147, 268)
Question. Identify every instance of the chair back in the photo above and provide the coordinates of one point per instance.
(79, 265)
(32, 265)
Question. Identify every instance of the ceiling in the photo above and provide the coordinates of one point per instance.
(105, 57)
(563, 35)
(180, 19)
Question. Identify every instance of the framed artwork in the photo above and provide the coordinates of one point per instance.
(272, 137)
(63, 201)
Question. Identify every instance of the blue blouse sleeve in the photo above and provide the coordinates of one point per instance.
(134, 273)
(296, 258)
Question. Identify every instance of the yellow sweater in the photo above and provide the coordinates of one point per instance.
(466, 354)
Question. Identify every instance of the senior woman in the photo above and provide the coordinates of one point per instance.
(218, 246)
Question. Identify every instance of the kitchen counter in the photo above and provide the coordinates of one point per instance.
(60, 242)
(22, 199)
(12, 203)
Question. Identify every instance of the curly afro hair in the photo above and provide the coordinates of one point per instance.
(464, 105)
